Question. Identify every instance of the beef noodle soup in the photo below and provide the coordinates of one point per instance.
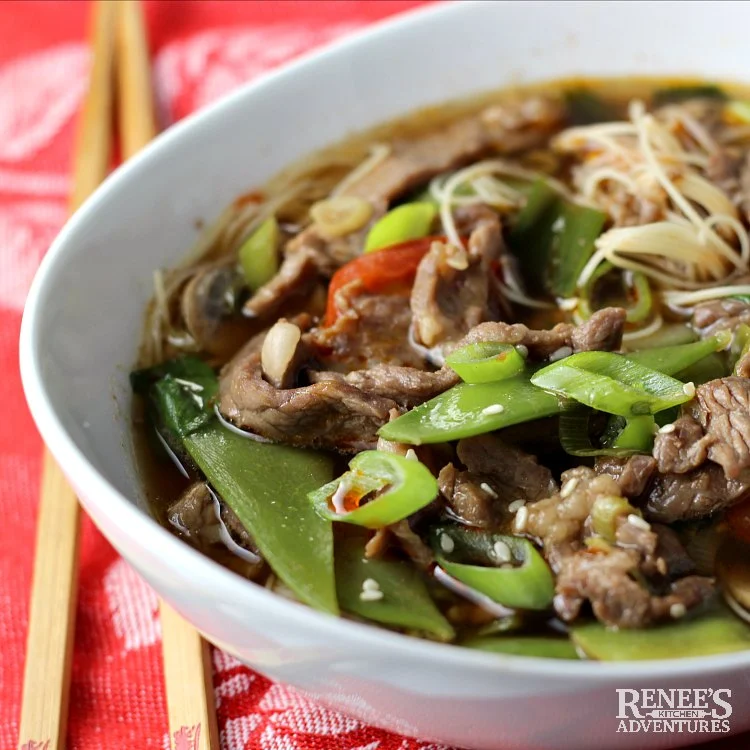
(480, 376)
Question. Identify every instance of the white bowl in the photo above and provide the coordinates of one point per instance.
(84, 316)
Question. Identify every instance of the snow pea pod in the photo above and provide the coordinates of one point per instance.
(716, 632)
(547, 647)
(475, 557)
(472, 409)
(673, 359)
(404, 485)
(266, 485)
(553, 239)
(399, 595)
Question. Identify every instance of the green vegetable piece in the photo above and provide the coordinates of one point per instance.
(717, 632)
(673, 359)
(612, 383)
(404, 485)
(670, 334)
(739, 110)
(259, 256)
(527, 585)
(472, 409)
(187, 368)
(632, 283)
(575, 245)
(740, 345)
(485, 362)
(637, 435)
(553, 239)
(576, 440)
(546, 647)
(266, 486)
(406, 602)
(676, 94)
(532, 234)
(585, 108)
(709, 368)
(604, 514)
(409, 221)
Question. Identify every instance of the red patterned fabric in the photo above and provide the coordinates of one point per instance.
(201, 50)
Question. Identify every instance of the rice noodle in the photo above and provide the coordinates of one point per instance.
(378, 154)
(640, 333)
(496, 193)
(691, 245)
(688, 299)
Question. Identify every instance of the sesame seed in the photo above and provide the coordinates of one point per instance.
(487, 489)
(370, 596)
(522, 350)
(638, 522)
(677, 610)
(501, 552)
(558, 224)
(522, 516)
(493, 409)
(446, 543)
(561, 353)
(689, 389)
(569, 487)
(411, 454)
(667, 428)
(570, 303)
(370, 584)
(515, 505)
(507, 566)
(661, 565)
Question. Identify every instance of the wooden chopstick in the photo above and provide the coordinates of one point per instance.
(187, 659)
(46, 682)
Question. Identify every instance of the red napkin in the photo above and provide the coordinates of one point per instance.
(201, 51)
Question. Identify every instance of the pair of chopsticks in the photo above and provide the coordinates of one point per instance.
(119, 47)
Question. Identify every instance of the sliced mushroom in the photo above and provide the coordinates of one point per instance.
(282, 354)
(209, 311)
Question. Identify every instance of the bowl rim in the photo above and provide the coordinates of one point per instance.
(127, 515)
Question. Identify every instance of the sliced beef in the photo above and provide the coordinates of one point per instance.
(297, 276)
(632, 474)
(629, 582)
(506, 128)
(682, 449)
(603, 331)
(406, 386)
(715, 428)
(697, 494)
(453, 289)
(329, 414)
(370, 329)
(512, 473)
(193, 514)
(411, 543)
(616, 598)
(520, 124)
(467, 499)
(495, 475)
(720, 313)
(192, 511)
